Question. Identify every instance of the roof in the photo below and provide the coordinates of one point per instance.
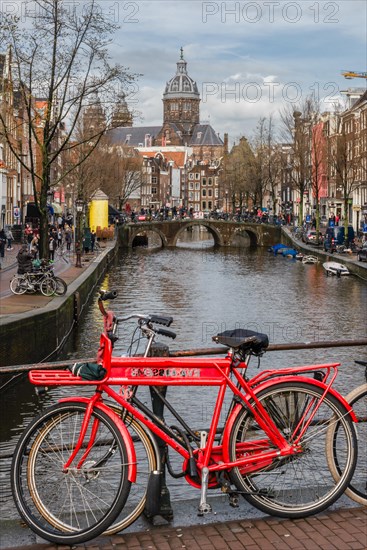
(204, 134)
(144, 136)
(177, 157)
(134, 136)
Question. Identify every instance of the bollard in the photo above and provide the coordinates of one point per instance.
(165, 508)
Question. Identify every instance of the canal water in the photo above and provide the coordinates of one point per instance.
(208, 290)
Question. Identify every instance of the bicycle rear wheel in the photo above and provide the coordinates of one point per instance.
(357, 489)
(18, 285)
(301, 484)
(146, 463)
(73, 506)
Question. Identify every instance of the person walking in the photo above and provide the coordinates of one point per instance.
(68, 239)
(92, 240)
(2, 243)
(9, 238)
(34, 250)
(51, 248)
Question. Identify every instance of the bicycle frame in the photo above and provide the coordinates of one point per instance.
(215, 372)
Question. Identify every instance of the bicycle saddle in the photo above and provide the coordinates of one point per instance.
(245, 340)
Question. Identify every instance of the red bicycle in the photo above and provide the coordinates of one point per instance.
(91, 464)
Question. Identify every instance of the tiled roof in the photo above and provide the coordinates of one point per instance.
(178, 157)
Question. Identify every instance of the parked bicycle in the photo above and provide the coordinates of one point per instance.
(42, 279)
(78, 470)
(33, 282)
(357, 398)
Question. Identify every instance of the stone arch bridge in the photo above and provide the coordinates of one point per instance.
(223, 232)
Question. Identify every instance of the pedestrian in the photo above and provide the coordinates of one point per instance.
(92, 240)
(24, 259)
(2, 243)
(68, 239)
(34, 249)
(9, 238)
(28, 235)
(51, 248)
(59, 237)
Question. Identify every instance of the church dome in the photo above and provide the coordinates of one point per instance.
(181, 85)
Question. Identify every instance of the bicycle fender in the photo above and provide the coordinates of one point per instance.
(269, 383)
(131, 455)
(314, 382)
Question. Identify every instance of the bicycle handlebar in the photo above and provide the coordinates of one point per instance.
(111, 321)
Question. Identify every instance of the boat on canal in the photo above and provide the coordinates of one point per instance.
(309, 260)
(334, 268)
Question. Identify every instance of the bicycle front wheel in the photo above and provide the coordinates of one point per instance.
(74, 505)
(61, 286)
(48, 286)
(357, 489)
(301, 484)
(18, 285)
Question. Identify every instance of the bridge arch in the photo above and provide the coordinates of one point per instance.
(212, 230)
(143, 230)
(249, 232)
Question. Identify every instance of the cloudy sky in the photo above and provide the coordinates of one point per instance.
(248, 58)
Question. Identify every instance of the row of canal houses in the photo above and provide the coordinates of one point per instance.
(181, 162)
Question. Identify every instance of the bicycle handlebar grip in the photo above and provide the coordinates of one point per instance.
(161, 320)
(108, 295)
(168, 333)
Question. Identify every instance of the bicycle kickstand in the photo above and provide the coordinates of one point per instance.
(204, 506)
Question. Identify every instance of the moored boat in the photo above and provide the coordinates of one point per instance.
(310, 260)
(290, 252)
(334, 268)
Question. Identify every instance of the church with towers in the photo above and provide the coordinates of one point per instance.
(182, 142)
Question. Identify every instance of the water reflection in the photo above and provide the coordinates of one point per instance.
(208, 290)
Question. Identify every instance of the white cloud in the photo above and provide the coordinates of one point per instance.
(298, 49)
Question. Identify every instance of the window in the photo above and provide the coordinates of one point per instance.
(203, 192)
(197, 176)
(154, 190)
(210, 181)
(210, 193)
(204, 205)
(210, 205)
(191, 185)
(154, 179)
(191, 176)
(204, 181)
(197, 185)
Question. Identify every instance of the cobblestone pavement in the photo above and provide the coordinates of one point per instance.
(344, 529)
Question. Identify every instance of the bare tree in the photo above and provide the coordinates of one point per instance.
(61, 56)
(319, 169)
(239, 174)
(345, 165)
(297, 129)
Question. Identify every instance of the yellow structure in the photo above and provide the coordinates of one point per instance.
(354, 74)
(98, 211)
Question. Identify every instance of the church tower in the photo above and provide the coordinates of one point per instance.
(181, 99)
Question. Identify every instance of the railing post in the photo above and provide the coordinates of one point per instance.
(165, 508)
